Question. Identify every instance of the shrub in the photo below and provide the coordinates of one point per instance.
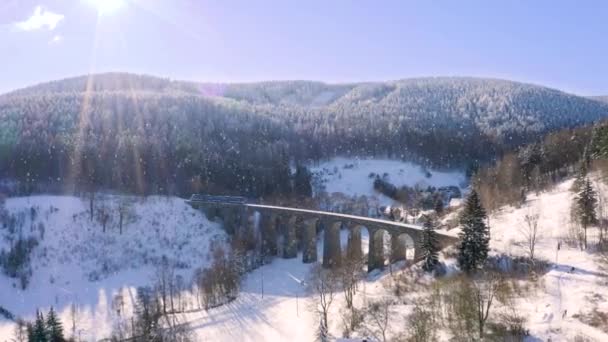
(220, 283)
(421, 325)
(509, 328)
(16, 262)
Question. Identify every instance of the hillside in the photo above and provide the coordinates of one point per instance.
(351, 177)
(564, 302)
(75, 262)
(284, 312)
(171, 136)
(496, 107)
(600, 98)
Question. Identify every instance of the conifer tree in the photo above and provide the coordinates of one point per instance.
(30, 332)
(586, 202)
(302, 179)
(438, 205)
(474, 236)
(581, 176)
(54, 328)
(429, 244)
(39, 329)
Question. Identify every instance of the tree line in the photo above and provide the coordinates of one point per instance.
(148, 135)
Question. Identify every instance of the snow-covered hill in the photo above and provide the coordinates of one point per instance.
(447, 120)
(283, 312)
(576, 283)
(76, 262)
(564, 303)
(355, 176)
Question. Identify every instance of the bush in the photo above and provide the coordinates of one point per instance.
(421, 325)
(16, 262)
(518, 266)
(509, 328)
(220, 283)
(385, 187)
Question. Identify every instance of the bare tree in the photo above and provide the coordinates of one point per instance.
(530, 231)
(350, 274)
(351, 320)
(20, 332)
(177, 331)
(91, 202)
(198, 280)
(378, 319)
(469, 302)
(102, 212)
(164, 284)
(125, 211)
(73, 320)
(420, 323)
(323, 285)
(485, 289)
(601, 216)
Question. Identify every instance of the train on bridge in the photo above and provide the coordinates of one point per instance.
(218, 199)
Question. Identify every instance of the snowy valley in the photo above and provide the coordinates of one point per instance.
(91, 277)
(297, 171)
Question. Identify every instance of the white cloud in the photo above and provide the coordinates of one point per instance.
(39, 20)
(56, 39)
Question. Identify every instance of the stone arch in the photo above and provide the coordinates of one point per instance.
(379, 249)
(403, 247)
(357, 245)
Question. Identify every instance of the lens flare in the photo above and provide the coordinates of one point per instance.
(105, 7)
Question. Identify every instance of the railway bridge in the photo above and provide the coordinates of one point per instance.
(284, 231)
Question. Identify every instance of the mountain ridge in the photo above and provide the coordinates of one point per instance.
(601, 98)
(244, 136)
(135, 79)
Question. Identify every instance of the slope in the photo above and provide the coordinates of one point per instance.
(76, 262)
(240, 138)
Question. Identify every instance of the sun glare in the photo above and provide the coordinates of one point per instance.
(107, 6)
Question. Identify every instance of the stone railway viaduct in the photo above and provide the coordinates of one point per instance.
(284, 231)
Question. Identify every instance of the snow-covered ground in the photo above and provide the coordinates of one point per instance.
(283, 313)
(274, 305)
(351, 176)
(575, 283)
(76, 262)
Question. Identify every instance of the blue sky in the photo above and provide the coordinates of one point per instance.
(562, 44)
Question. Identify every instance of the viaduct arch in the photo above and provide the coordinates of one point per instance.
(279, 230)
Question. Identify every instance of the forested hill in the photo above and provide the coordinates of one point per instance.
(150, 134)
(600, 98)
(500, 109)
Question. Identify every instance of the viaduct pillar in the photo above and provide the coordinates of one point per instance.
(309, 246)
(290, 243)
(332, 253)
(397, 248)
(353, 246)
(375, 257)
(269, 234)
